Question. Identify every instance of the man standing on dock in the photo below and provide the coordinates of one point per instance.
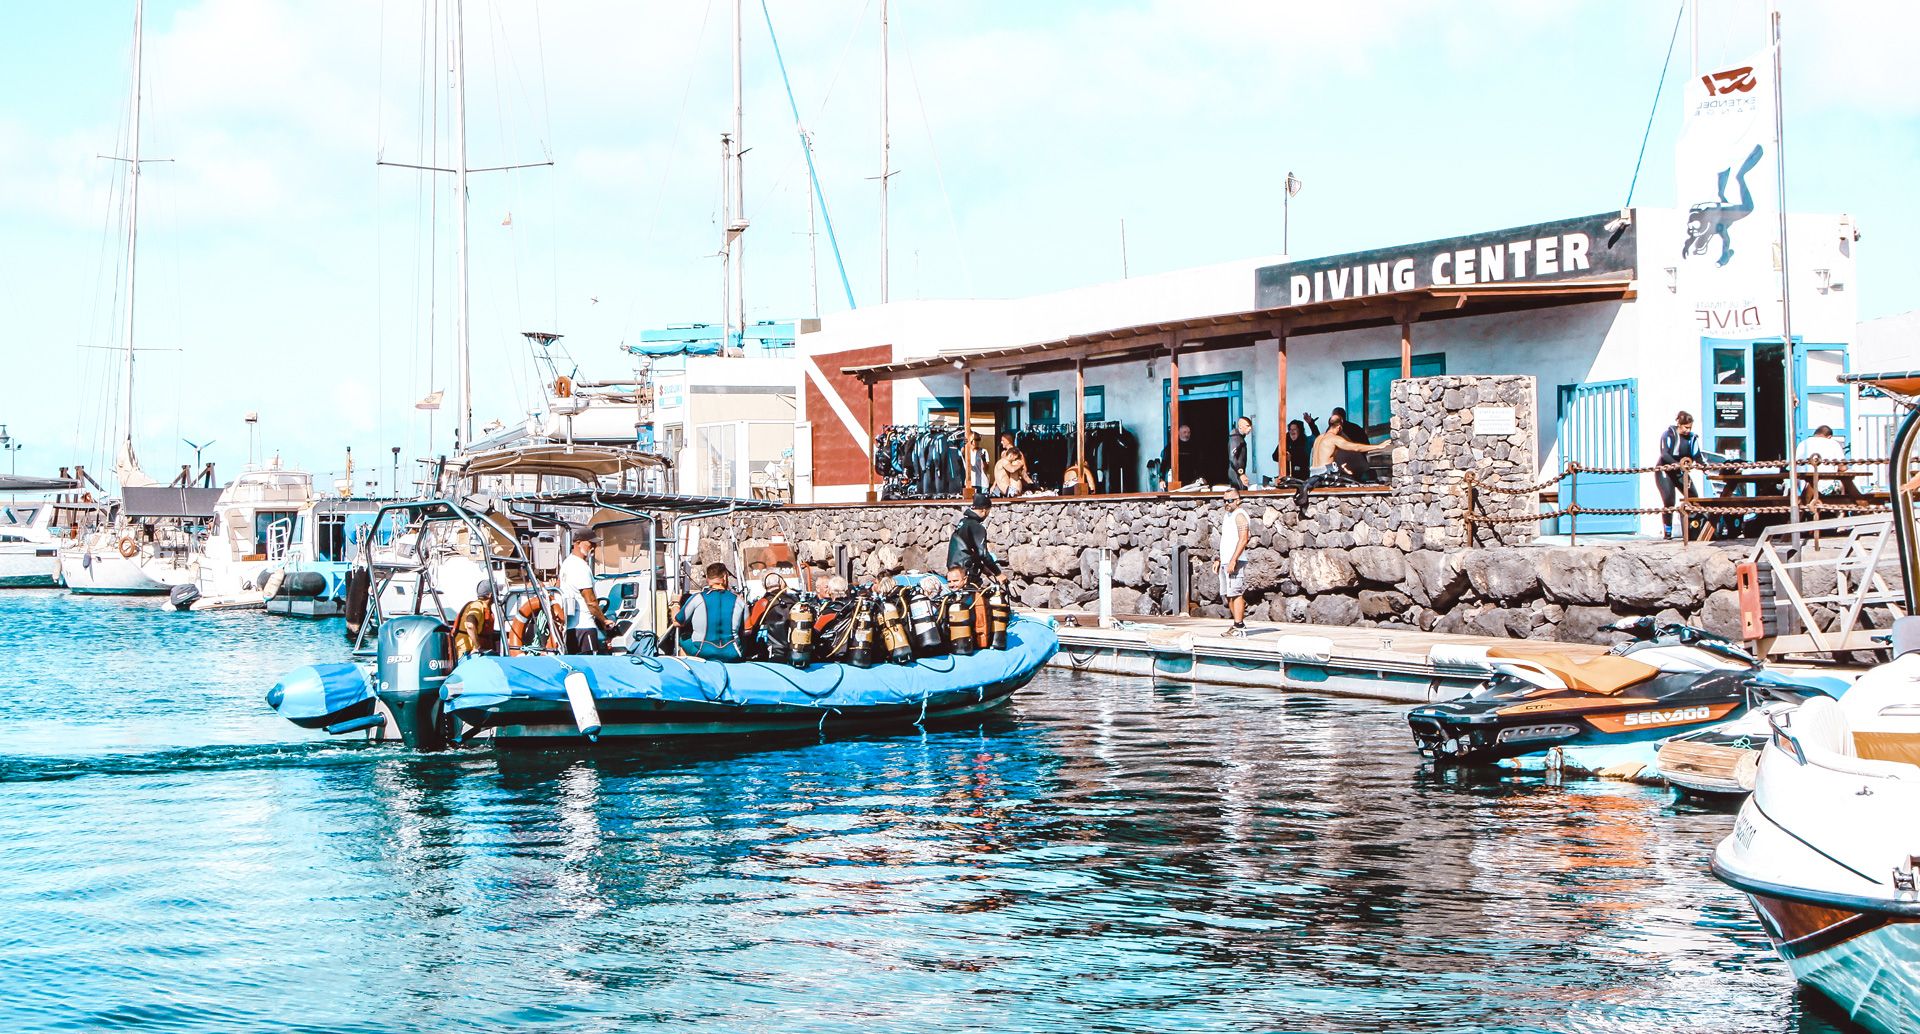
(1231, 542)
(967, 549)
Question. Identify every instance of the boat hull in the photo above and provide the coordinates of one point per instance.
(29, 566)
(526, 700)
(110, 574)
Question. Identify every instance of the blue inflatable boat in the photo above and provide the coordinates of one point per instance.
(555, 698)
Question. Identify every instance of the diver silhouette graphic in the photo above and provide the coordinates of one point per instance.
(1711, 219)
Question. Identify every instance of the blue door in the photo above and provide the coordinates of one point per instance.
(1600, 427)
(1817, 369)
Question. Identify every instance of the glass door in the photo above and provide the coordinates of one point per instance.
(1823, 399)
(1726, 425)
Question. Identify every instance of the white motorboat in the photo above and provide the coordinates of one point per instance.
(252, 530)
(29, 548)
(143, 546)
(1828, 846)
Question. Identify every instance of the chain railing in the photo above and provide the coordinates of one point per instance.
(1686, 505)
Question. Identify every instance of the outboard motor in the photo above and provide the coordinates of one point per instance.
(959, 608)
(799, 625)
(861, 647)
(999, 615)
(415, 657)
(893, 630)
(923, 623)
(183, 596)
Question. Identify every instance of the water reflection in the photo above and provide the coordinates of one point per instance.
(1111, 855)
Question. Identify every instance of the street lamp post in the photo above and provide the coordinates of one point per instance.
(12, 446)
(396, 472)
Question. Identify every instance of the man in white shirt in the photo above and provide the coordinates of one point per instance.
(1821, 454)
(1230, 540)
(585, 620)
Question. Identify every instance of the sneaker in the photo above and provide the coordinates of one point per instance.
(1236, 631)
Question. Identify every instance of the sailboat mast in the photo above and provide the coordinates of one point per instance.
(463, 422)
(738, 226)
(886, 151)
(133, 230)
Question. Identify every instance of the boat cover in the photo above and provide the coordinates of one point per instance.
(483, 682)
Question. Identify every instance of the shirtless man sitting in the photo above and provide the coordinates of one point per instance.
(1328, 449)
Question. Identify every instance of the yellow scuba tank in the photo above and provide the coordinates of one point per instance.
(923, 623)
(799, 628)
(861, 647)
(999, 615)
(959, 608)
(893, 630)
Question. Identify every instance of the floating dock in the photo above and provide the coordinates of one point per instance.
(1403, 665)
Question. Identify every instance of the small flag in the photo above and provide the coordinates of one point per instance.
(508, 221)
(431, 401)
(1293, 185)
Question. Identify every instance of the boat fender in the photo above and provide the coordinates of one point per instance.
(959, 609)
(1304, 649)
(923, 623)
(1460, 656)
(128, 547)
(359, 584)
(893, 631)
(999, 615)
(861, 647)
(586, 714)
(304, 584)
(800, 633)
(275, 578)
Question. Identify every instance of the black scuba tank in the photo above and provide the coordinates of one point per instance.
(861, 646)
(923, 623)
(999, 615)
(959, 608)
(799, 632)
(893, 630)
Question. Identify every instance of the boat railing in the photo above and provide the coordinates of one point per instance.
(424, 514)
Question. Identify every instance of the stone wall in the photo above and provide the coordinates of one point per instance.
(1329, 566)
(1400, 556)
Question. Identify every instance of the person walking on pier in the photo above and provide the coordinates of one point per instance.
(967, 549)
(1679, 442)
(1230, 540)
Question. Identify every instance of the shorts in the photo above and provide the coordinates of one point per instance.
(585, 642)
(1234, 584)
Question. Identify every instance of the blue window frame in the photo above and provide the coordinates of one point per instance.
(1043, 407)
(1370, 389)
(1095, 402)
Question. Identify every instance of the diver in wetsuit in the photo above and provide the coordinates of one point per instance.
(967, 549)
(711, 619)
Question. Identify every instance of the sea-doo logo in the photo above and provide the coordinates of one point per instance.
(1677, 715)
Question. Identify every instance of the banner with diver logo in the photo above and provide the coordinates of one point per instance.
(1724, 163)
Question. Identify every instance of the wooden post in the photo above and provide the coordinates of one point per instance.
(873, 446)
(1080, 425)
(1280, 398)
(966, 425)
(1173, 416)
(1406, 346)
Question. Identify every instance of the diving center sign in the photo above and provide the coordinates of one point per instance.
(1594, 247)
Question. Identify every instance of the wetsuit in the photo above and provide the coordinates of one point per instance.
(710, 624)
(967, 549)
(1237, 460)
(1674, 447)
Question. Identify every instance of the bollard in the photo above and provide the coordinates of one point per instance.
(1106, 589)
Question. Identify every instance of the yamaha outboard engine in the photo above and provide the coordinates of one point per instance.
(183, 596)
(415, 657)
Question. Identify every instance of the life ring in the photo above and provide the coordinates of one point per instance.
(520, 625)
(563, 387)
(128, 547)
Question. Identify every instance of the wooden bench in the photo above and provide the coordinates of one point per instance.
(1727, 507)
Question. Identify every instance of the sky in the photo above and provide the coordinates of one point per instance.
(283, 272)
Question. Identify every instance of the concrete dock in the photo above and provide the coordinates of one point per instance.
(1404, 665)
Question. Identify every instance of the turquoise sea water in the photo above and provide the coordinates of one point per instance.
(1109, 855)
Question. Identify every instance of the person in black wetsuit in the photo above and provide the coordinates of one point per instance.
(1237, 458)
(967, 549)
(1679, 442)
(1298, 444)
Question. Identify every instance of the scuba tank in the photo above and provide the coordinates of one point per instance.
(861, 646)
(959, 608)
(982, 623)
(799, 632)
(923, 623)
(893, 630)
(999, 615)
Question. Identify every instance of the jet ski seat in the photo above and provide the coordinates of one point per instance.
(1605, 675)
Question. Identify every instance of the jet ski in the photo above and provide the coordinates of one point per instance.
(1606, 714)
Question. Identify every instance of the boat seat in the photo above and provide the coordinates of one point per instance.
(1820, 727)
(1605, 675)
